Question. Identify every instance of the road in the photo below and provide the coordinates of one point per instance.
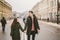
(47, 32)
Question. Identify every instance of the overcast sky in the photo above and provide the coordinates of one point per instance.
(22, 5)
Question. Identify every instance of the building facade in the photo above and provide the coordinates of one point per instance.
(43, 7)
(5, 9)
(47, 9)
(35, 10)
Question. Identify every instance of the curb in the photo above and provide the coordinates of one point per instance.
(50, 23)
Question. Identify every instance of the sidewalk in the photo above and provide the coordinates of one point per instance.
(53, 26)
(6, 35)
(50, 23)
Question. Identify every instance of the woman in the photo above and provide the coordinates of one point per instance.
(15, 30)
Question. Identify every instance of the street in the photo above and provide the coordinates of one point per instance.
(47, 32)
(46, 11)
(6, 35)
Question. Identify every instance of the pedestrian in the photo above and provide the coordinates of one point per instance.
(24, 20)
(15, 33)
(3, 22)
(31, 26)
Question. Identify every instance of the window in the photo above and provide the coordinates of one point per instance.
(55, 2)
(51, 3)
(55, 15)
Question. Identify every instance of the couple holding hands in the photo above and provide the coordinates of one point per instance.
(31, 27)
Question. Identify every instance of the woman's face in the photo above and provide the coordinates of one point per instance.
(17, 20)
(30, 14)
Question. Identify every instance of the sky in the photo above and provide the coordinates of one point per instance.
(22, 5)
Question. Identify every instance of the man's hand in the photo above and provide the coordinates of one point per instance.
(38, 30)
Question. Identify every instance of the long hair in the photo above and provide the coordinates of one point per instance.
(14, 22)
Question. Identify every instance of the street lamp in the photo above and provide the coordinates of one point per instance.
(57, 11)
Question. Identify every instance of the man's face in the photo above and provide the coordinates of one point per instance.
(30, 14)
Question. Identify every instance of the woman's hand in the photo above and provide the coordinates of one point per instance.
(25, 31)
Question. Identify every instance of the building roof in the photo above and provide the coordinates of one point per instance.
(6, 3)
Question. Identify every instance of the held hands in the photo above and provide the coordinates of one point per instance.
(25, 31)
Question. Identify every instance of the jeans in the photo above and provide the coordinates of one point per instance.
(3, 28)
(33, 36)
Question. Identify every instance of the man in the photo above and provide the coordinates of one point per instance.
(3, 22)
(31, 26)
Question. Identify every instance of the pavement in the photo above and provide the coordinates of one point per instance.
(48, 31)
(6, 35)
